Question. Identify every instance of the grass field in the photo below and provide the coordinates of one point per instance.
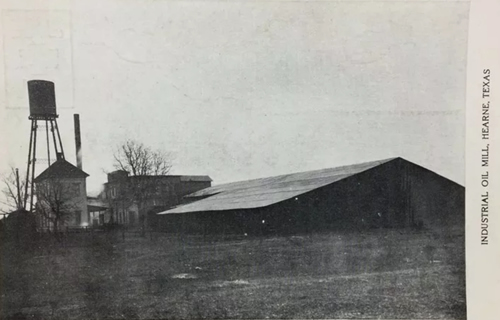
(376, 274)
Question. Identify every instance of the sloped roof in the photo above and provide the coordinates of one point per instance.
(196, 178)
(19, 214)
(61, 169)
(14, 213)
(168, 177)
(96, 204)
(263, 192)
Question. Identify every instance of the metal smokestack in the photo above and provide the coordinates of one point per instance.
(78, 141)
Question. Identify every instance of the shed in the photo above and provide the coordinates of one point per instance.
(19, 226)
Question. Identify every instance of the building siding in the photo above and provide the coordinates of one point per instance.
(75, 199)
(124, 210)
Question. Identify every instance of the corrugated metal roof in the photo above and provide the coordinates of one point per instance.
(61, 169)
(267, 191)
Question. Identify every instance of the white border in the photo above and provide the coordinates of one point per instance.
(483, 261)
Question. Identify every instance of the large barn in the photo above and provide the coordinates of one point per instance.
(390, 193)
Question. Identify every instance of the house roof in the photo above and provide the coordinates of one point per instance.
(61, 169)
(263, 192)
(16, 214)
(96, 204)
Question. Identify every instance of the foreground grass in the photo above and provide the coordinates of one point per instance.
(376, 274)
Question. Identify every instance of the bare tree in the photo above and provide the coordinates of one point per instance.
(55, 202)
(12, 197)
(140, 160)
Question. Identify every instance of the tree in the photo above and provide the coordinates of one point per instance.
(55, 202)
(12, 200)
(144, 165)
(140, 160)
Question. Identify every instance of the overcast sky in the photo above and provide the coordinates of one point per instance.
(240, 90)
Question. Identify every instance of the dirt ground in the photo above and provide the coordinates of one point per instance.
(373, 274)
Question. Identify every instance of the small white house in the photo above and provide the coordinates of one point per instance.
(61, 196)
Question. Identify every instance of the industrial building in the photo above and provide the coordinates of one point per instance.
(390, 193)
(155, 192)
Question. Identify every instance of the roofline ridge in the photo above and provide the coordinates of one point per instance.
(62, 161)
(298, 172)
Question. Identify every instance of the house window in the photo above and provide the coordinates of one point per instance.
(78, 217)
(75, 189)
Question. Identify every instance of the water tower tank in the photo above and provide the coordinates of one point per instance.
(42, 99)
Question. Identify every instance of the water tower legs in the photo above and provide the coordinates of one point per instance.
(29, 190)
(31, 164)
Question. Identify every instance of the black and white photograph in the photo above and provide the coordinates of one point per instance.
(237, 159)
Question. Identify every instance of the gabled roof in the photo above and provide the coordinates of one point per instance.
(263, 192)
(61, 169)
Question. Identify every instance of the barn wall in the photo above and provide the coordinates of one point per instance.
(436, 201)
(396, 194)
(219, 222)
(366, 200)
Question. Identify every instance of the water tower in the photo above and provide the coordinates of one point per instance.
(42, 101)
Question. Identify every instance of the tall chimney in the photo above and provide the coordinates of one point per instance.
(78, 141)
